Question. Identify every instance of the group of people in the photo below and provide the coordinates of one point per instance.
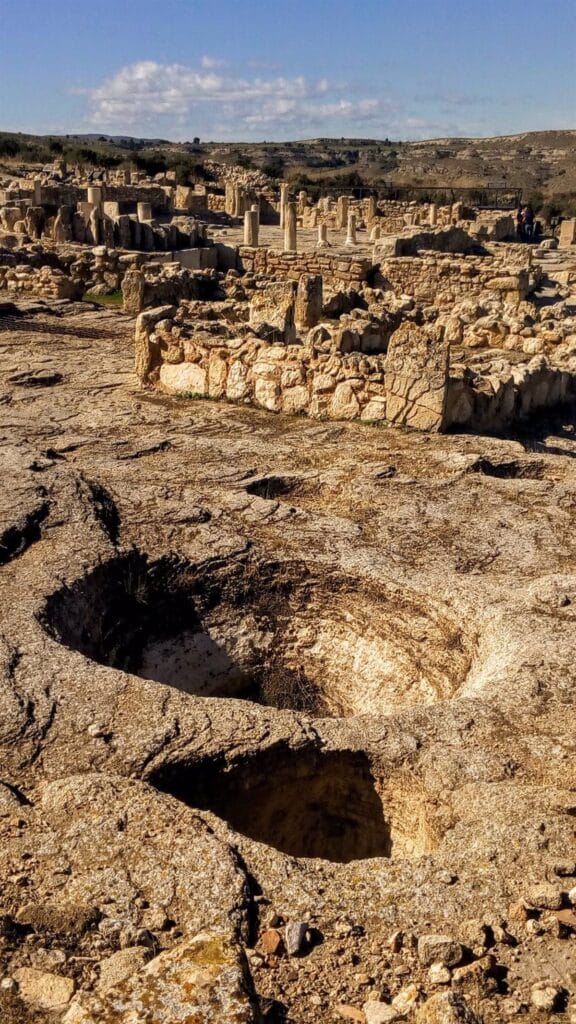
(525, 223)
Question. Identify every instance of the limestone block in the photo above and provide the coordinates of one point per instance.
(417, 377)
(273, 308)
(144, 349)
(374, 410)
(133, 287)
(567, 232)
(182, 378)
(266, 370)
(323, 382)
(309, 297)
(267, 394)
(295, 399)
(237, 386)
(292, 376)
(344, 404)
(217, 375)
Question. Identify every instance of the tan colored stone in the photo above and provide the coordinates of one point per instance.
(344, 405)
(42, 989)
(183, 378)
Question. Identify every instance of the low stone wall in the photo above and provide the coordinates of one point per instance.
(443, 281)
(493, 402)
(412, 385)
(278, 377)
(336, 268)
(44, 282)
(152, 285)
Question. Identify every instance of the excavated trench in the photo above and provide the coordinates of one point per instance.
(272, 633)
(310, 803)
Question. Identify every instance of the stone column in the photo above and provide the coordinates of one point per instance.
(351, 230)
(283, 203)
(290, 227)
(144, 212)
(37, 193)
(302, 202)
(308, 310)
(322, 236)
(432, 215)
(567, 233)
(251, 227)
(238, 205)
(342, 212)
(229, 198)
(371, 210)
(94, 195)
(94, 226)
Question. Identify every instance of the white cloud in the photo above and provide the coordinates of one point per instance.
(177, 98)
(212, 62)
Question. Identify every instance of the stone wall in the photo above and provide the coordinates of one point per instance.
(44, 282)
(336, 268)
(443, 281)
(412, 385)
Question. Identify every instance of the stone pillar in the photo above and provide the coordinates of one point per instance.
(94, 226)
(567, 233)
(322, 236)
(111, 209)
(342, 212)
(37, 193)
(229, 198)
(283, 203)
(238, 201)
(94, 195)
(62, 231)
(371, 210)
(302, 202)
(133, 286)
(432, 215)
(308, 309)
(251, 227)
(127, 175)
(290, 227)
(351, 230)
(144, 212)
(417, 377)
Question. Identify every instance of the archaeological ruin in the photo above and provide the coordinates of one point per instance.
(287, 641)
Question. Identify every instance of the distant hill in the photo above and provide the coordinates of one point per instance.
(542, 164)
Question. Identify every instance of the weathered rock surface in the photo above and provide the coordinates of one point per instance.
(263, 670)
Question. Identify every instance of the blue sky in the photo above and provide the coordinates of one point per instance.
(287, 69)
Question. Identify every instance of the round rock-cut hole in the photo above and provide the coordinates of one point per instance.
(304, 803)
(266, 632)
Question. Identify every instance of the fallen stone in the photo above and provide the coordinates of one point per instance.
(446, 1008)
(294, 935)
(377, 1012)
(121, 965)
(439, 975)
(440, 949)
(270, 941)
(545, 997)
(545, 896)
(43, 990)
(350, 1013)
